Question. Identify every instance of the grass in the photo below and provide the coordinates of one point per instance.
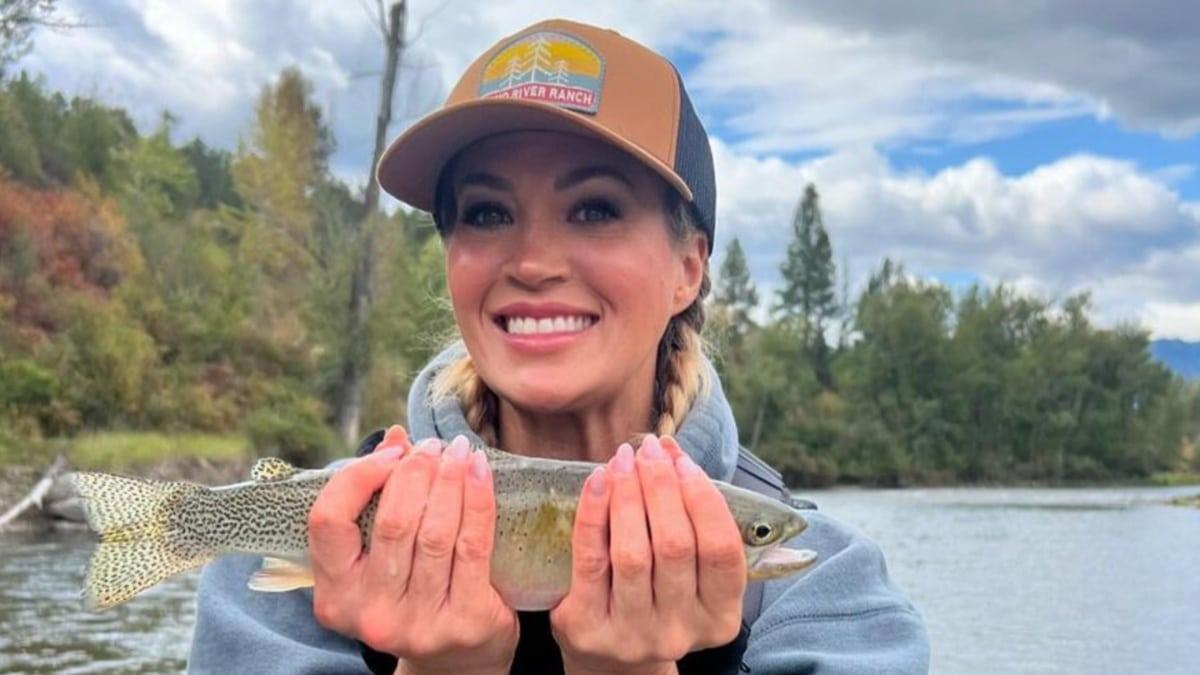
(120, 451)
(1175, 478)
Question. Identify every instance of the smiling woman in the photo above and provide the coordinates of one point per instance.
(572, 185)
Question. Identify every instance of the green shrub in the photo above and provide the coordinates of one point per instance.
(291, 428)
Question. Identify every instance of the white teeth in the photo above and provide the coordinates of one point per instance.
(518, 325)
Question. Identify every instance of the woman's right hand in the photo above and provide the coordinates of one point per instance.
(421, 590)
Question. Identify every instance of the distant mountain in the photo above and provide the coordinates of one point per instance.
(1178, 355)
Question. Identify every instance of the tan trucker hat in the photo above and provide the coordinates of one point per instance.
(560, 75)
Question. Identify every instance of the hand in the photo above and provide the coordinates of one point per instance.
(644, 595)
(421, 589)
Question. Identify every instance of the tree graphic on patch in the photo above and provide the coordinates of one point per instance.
(547, 67)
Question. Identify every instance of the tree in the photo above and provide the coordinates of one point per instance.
(808, 276)
(18, 18)
(357, 359)
(735, 296)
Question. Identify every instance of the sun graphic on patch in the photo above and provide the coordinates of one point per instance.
(546, 66)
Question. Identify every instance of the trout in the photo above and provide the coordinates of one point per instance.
(151, 530)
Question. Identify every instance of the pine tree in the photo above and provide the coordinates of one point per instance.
(808, 275)
(736, 295)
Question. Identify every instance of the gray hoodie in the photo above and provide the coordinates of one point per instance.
(844, 616)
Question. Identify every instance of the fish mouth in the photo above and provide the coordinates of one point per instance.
(778, 562)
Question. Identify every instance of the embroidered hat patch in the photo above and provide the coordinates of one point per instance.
(546, 66)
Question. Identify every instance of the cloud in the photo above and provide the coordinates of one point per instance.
(1080, 223)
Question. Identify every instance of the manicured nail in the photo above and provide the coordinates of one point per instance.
(387, 454)
(686, 467)
(394, 433)
(459, 448)
(623, 461)
(598, 483)
(479, 465)
(430, 446)
(652, 449)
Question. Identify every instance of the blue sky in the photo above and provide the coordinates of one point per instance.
(1051, 146)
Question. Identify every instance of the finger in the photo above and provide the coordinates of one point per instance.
(629, 540)
(398, 517)
(395, 436)
(591, 583)
(433, 556)
(721, 568)
(671, 535)
(334, 538)
(471, 578)
(672, 447)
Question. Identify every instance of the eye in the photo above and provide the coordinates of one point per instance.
(760, 533)
(594, 211)
(486, 215)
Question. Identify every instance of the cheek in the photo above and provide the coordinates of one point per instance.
(468, 274)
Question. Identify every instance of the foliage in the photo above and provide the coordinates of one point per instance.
(160, 298)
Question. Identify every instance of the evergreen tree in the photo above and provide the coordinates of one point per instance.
(736, 297)
(808, 276)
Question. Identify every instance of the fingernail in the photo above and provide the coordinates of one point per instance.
(652, 449)
(430, 446)
(459, 448)
(623, 461)
(686, 467)
(393, 432)
(479, 465)
(387, 454)
(598, 483)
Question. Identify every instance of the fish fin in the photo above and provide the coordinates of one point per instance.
(279, 576)
(138, 546)
(270, 469)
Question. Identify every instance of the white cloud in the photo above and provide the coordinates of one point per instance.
(1076, 224)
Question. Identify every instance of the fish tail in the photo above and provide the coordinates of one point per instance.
(140, 543)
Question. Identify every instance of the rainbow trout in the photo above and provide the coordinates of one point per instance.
(151, 530)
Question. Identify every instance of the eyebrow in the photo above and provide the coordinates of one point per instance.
(486, 180)
(588, 172)
(568, 180)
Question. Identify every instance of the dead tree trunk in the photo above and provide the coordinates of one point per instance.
(357, 359)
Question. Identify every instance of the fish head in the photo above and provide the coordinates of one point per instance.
(765, 524)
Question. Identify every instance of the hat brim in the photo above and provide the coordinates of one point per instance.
(410, 167)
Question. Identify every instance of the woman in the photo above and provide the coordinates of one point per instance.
(572, 184)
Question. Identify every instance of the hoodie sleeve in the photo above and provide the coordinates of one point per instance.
(843, 616)
(242, 631)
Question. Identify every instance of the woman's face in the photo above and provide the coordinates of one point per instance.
(562, 270)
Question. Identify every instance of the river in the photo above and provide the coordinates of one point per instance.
(1009, 581)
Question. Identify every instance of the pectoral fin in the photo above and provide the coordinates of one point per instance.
(279, 576)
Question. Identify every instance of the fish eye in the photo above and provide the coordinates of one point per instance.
(760, 533)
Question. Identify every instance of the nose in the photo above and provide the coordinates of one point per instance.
(538, 257)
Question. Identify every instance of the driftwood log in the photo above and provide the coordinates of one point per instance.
(50, 482)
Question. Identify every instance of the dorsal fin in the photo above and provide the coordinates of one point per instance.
(270, 469)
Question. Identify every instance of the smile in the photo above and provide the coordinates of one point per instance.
(527, 325)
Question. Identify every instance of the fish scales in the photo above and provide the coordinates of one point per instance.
(150, 530)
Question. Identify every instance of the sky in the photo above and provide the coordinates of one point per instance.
(1052, 146)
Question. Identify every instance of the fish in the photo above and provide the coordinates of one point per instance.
(151, 530)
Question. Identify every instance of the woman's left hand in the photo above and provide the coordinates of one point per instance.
(658, 568)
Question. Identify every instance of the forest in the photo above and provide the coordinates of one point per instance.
(149, 284)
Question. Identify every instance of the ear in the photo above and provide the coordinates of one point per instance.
(693, 260)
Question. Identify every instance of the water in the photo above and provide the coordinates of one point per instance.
(1009, 581)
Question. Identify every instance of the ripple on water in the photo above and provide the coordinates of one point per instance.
(44, 628)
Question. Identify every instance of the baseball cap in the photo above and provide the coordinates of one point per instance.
(560, 75)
